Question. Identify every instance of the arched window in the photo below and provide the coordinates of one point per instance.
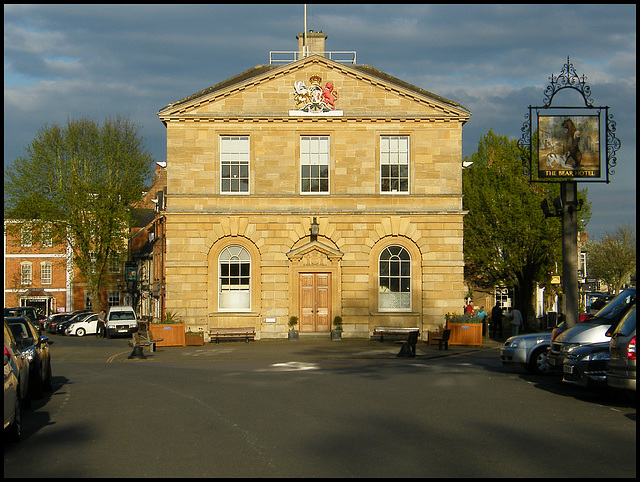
(394, 286)
(234, 288)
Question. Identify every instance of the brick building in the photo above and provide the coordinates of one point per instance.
(36, 271)
(314, 188)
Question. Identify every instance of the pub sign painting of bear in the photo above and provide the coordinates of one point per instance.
(568, 146)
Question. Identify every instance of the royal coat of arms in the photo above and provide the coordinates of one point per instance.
(315, 98)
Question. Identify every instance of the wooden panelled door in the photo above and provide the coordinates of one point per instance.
(315, 302)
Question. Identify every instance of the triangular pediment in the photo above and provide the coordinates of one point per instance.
(355, 91)
(315, 250)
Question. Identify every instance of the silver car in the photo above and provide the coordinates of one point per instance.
(622, 365)
(529, 351)
(591, 331)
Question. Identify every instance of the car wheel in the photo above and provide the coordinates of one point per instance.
(13, 431)
(81, 332)
(538, 363)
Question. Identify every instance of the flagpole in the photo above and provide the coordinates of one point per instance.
(304, 34)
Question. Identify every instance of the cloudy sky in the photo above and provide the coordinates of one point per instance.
(73, 61)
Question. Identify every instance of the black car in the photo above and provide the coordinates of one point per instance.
(587, 365)
(35, 349)
(76, 316)
(53, 320)
(28, 312)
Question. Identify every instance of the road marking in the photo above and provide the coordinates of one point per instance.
(113, 357)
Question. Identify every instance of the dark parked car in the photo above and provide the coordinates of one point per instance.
(34, 349)
(622, 366)
(76, 316)
(587, 365)
(28, 312)
(597, 301)
(591, 331)
(16, 384)
(53, 320)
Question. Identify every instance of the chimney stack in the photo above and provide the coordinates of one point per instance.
(314, 42)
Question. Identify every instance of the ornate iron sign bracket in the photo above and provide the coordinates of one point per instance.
(569, 140)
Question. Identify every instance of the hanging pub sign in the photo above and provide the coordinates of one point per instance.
(573, 142)
(568, 146)
(130, 273)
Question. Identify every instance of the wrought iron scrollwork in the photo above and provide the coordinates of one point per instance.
(613, 144)
(568, 78)
(524, 143)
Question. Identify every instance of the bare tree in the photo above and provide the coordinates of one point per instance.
(613, 259)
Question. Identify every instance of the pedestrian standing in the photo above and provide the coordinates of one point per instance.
(516, 321)
(482, 315)
(101, 330)
(496, 321)
(469, 309)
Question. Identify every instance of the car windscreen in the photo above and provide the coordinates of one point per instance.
(122, 315)
(615, 307)
(628, 323)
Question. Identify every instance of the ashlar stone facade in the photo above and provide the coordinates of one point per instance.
(351, 208)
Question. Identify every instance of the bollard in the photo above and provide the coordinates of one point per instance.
(407, 350)
(137, 352)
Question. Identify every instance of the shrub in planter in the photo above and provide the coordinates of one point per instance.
(464, 329)
(293, 333)
(194, 338)
(336, 333)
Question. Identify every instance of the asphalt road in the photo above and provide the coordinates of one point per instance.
(314, 408)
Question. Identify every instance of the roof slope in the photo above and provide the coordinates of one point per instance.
(261, 72)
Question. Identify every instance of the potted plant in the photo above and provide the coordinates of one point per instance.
(464, 329)
(293, 333)
(194, 338)
(170, 331)
(336, 333)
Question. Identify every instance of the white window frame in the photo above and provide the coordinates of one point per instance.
(114, 266)
(315, 152)
(47, 236)
(46, 273)
(26, 273)
(113, 298)
(395, 151)
(234, 279)
(394, 282)
(235, 154)
(26, 236)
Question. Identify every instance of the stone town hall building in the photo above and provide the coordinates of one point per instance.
(314, 188)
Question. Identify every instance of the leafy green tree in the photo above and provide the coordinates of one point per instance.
(507, 240)
(81, 178)
(613, 259)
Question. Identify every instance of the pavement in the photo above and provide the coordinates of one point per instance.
(306, 348)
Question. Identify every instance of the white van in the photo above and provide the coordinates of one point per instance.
(121, 320)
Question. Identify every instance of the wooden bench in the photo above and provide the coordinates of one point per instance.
(218, 334)
(383, 331)
(143, 338)
(439, 337)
